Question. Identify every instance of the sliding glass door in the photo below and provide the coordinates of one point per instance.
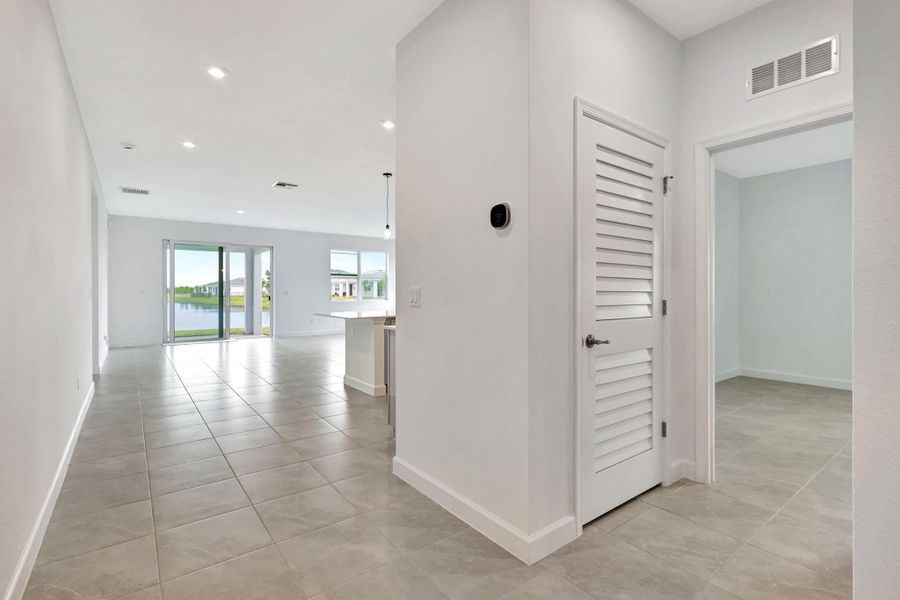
(216, 291)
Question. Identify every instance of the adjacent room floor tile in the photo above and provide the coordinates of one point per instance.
(79, 535)
(260, 575)
(754, 574)
(264, 458)
(203, 543)
(280, 481)
(336, 467)
(468, 566)
(323, 445)
(104, 574)
(299, 513)
(607, 567)
(98, 496)
(188, 475)
(398, 580)
(180, 508)
(332, 555)
(696, 549)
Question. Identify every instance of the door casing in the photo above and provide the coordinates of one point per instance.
(704, 254)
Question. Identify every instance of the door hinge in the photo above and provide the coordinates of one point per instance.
(665, 429)
(665, 307)
(666, 183)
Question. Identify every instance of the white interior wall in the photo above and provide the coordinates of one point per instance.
(300, 279)
(45, 234)
(499, 393)
(462, 357)
(592, 49)
(100, 278)
(714, 104)
(795, 231)
(728, 276)
(876, 285)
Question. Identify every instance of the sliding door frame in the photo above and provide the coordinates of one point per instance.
(225, 249)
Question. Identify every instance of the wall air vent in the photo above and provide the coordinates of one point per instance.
(126, 189)
(285, 185)
(816, 60)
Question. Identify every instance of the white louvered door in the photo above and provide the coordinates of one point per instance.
(619, 199)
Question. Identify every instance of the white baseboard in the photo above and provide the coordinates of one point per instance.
(728, 374)
(135, 343)
(529, 548)
(680, 469)
(364, 386)
(311, 333)
(19, 580)
(838, 384)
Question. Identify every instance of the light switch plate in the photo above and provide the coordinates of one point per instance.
(415, 297)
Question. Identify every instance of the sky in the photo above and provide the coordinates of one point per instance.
(199, 267)
(369, 261)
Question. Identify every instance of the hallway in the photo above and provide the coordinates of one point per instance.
(246, 470)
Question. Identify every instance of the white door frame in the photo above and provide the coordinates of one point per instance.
(584, 108)
(704, 252)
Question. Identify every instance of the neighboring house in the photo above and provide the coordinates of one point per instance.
(212, 289)
(344, 284)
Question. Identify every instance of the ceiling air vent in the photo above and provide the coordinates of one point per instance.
(285, 185)
(816, 60)
(126, 189)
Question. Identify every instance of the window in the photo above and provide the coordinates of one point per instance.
(373, 275)
(358, 275)
(344, 275)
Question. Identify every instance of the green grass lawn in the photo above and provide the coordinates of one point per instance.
(188, 333)
(236, 301)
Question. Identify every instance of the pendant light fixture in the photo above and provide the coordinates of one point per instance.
(387, 197)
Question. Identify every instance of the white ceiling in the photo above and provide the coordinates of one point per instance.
(814, 147)
(687, 18)
(310, 80)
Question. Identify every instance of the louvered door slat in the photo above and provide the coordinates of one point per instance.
(611, 172)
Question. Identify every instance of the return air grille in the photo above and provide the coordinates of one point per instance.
(284, 185)
(816, 60)
(125, 189)
(790, 68)
(763, 77)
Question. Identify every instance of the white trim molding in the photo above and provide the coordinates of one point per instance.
(365, 387)
(704, 255)
(33, 545)
(826, 382)
(529, 548)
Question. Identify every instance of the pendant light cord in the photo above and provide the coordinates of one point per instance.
(387, 201)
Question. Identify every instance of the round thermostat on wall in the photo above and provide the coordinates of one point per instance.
(500, 215)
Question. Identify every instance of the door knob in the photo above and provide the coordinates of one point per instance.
(590, 341)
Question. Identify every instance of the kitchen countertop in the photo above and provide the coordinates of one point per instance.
(358, 314)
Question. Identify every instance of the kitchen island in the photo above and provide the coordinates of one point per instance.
(364, 348)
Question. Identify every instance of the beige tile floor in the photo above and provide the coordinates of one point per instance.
(247, 471)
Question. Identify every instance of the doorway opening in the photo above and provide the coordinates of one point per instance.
(216, 291)
(781, 228)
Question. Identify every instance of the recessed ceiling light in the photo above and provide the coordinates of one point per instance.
(217, 72)
(188, 144)
(240, 212)
(128, 146)
(388, 124)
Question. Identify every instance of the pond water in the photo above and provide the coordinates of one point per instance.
(199, 316)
